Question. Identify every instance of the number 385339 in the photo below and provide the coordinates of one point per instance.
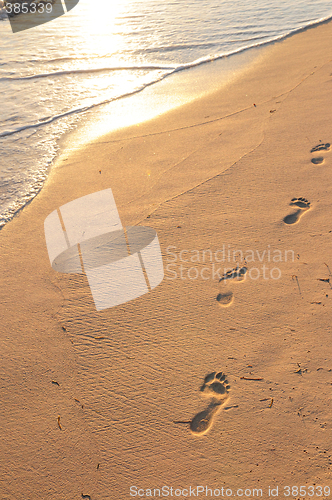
(307, 491)
(25, 8)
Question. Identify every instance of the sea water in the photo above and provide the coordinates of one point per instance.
(53, 75)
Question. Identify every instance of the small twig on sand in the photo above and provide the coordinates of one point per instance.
(248, 378)
(325, 280)
(329, 270)
(297, 281)
(181, 421)
(60, 427)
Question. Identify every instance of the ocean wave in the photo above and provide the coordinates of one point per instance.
(151, 67)
(175, 68)
(83, 109)
(175, 47)
(277, 38)
(170, 70)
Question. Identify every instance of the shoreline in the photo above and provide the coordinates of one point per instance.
(94, 124)
(222, 169)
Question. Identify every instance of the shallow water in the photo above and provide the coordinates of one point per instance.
(52, 75)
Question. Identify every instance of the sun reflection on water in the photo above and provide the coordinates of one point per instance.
(98, 26)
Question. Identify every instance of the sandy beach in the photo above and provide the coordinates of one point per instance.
(247, 169)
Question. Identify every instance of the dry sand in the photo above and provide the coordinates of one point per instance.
(217, 171)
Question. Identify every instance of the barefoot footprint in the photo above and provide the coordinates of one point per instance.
(302, 204)
(320, 147)
(216, 386)
(225, 299)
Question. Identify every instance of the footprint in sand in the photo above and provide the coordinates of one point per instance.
(215, 386)
(320, 147)
(303, 206)
(225, 299)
